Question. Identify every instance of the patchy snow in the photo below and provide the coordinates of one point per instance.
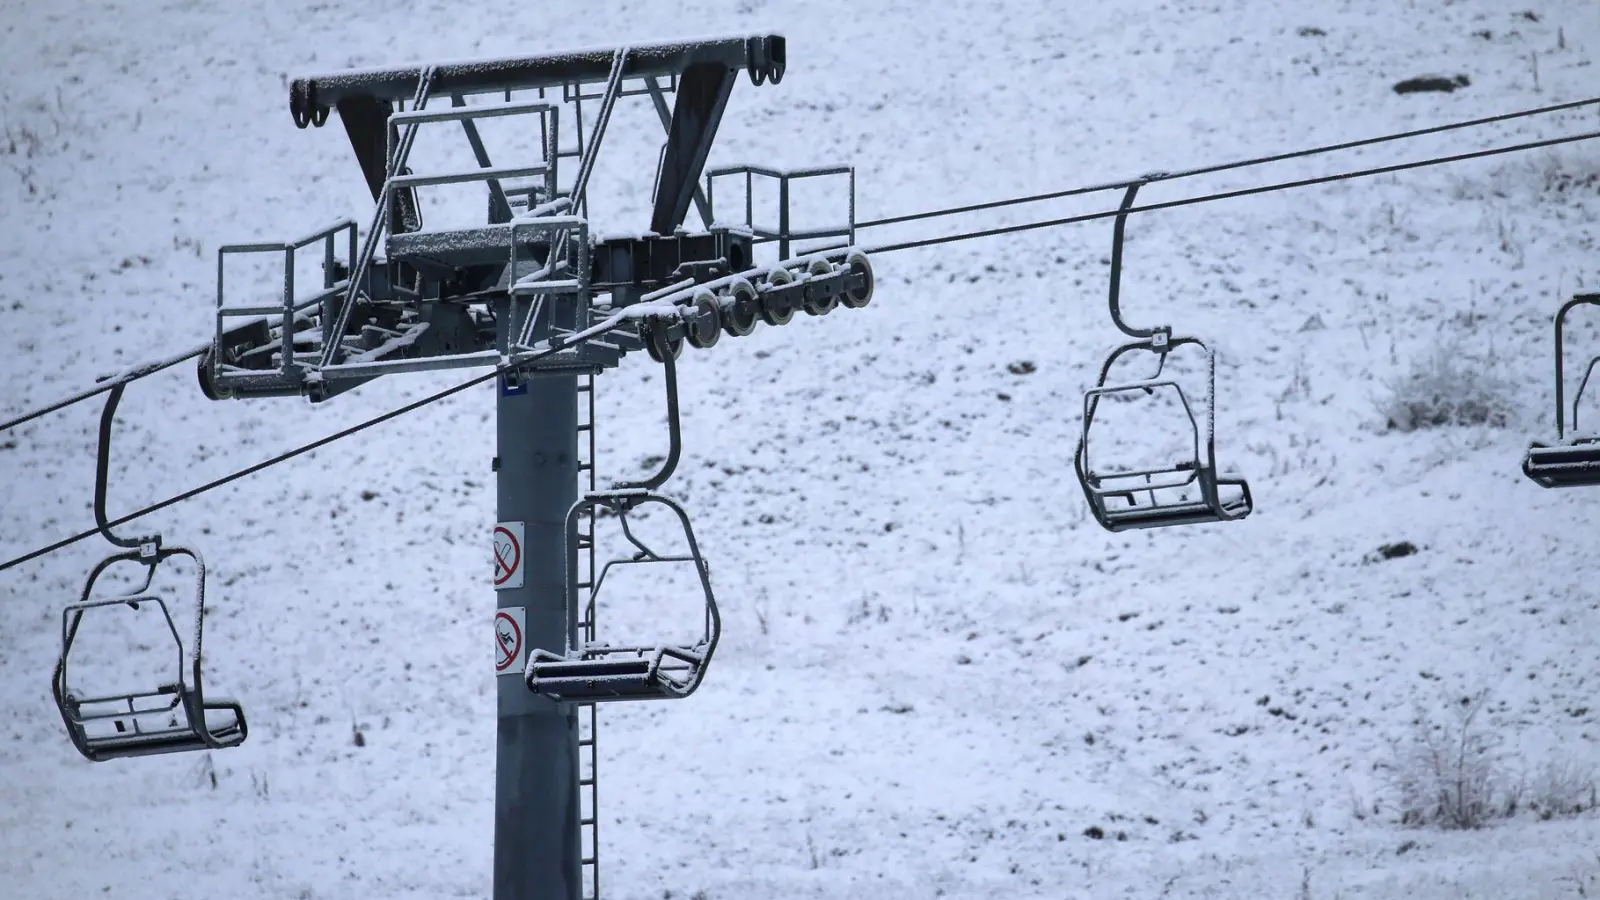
(937, 676)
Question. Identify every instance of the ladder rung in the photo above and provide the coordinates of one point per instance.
(582, 822)
(588, 861)
(585, 782)
(585, 388)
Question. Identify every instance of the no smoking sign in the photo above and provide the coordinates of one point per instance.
(509, 642)
(507, 555)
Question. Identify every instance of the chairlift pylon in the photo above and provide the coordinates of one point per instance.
(172, 717)
(1573, 460)
(1195, 474)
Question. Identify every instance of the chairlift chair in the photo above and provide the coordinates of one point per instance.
(1206, 500)
(592, 671)
(1211, 498)
(1573, 460)
(171, 717)
(589, 670)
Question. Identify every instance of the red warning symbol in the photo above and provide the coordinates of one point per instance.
(508, 555)
(507, 641)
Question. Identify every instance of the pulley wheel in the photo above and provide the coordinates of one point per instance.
(775, 311)
(741, 309)
(203, 372)
(655, 338)
(820, 306)
(703, 320)
(859, 265)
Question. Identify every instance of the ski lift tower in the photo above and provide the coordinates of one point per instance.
(532, 293)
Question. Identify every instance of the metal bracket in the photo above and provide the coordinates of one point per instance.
(1160, 335)
(148, 546)
(669, 368)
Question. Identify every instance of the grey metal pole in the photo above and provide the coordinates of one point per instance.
(537, 840)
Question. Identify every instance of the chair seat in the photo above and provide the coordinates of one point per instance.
(1563, 465)
(1186, 513)
(224, 724)
(1182, 512)
(617, 677)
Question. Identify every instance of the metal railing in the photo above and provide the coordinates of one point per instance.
(567, 240)
(291, 305)
(784, 233)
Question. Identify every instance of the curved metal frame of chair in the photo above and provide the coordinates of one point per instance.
(188, 694)
(1158, 340)
(1201, 471)
(147, 545)
(599, 672)
(1572, 461)
(669, 365)
(1158, 335)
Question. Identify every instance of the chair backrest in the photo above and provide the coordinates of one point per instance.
(623, 502)
(1561, 406)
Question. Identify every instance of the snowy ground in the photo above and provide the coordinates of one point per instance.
(937, 672)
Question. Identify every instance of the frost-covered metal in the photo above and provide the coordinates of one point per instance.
(595, 671)
(586, 668)
(1573, 460)
(764, 57)
(143, 720)
(405, 296)
(1187, 491)
(537, 291)
(171, 717)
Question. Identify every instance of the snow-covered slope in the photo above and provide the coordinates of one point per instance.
(937, 672)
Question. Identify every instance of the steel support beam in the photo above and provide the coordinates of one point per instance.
(697, 111)
(764, 56)
(366, 121)
(537, 837)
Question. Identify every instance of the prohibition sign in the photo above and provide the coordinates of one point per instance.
(507, 641)
(508, 555)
